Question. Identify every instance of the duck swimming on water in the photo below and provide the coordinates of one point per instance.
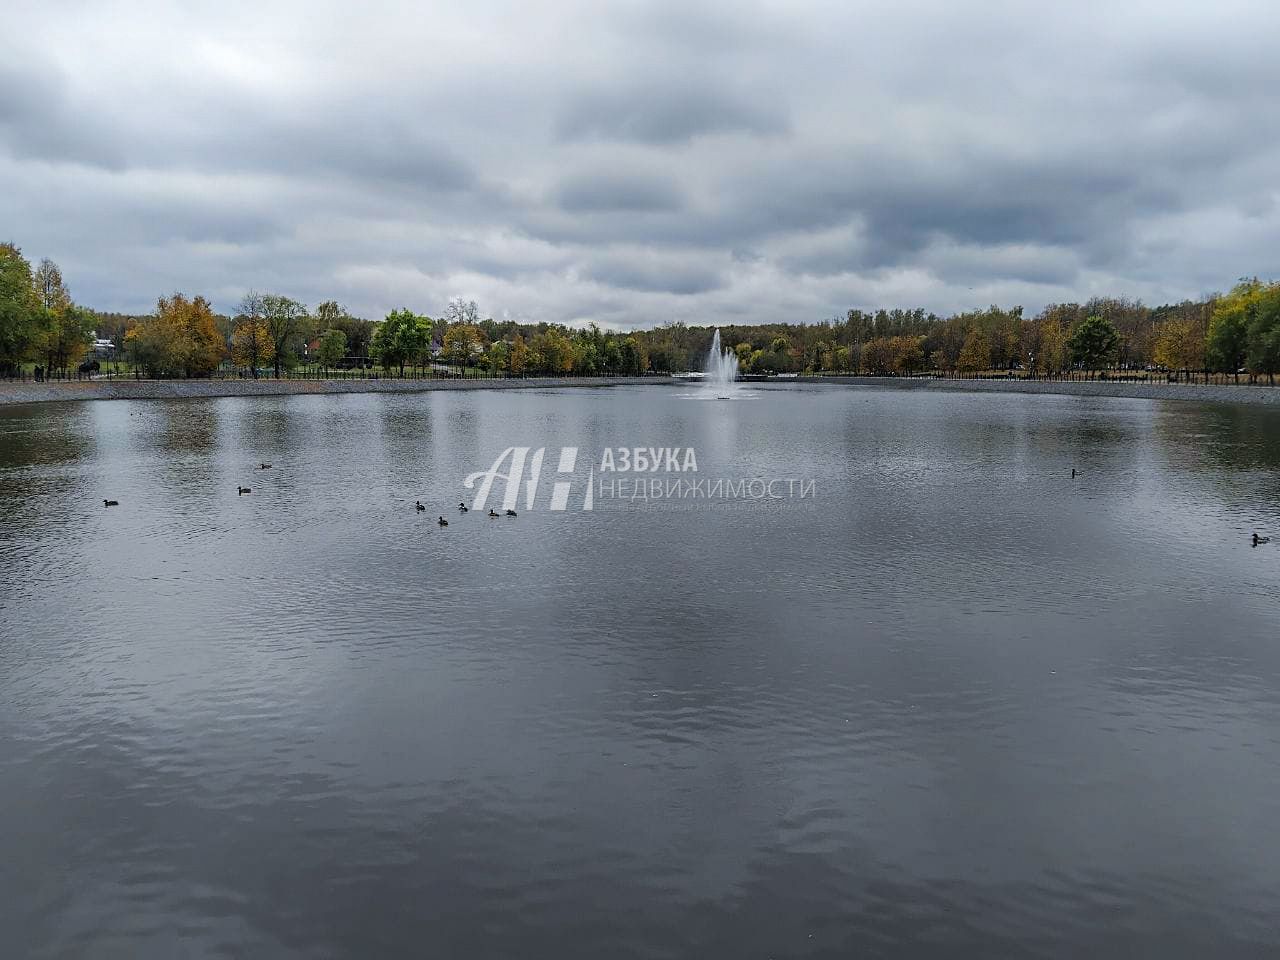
(264, 466)
(241, 491)
(443, 522)
(491, 513)
(511, 513)
(116, 503)
(417, 505)
(1257, 539)
(462, 508)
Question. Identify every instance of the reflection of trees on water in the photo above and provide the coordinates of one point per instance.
(407, 425)
(1231, 453)
(1233, 438)
(1221, 446)
(275, 427)
(185, 427)
(47, 458)
(53, 435)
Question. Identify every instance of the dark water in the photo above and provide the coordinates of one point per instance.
(955, 704)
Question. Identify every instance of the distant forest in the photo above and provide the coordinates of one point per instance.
(269, 334)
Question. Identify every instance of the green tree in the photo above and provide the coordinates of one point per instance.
(66, 335)
(21, 314)
(1227, 346)
(65, 330)
(401, 338)
(286, 322)
(1264, 334)
(633, 361)
(332, 315)
(611, 356)
(1094, 343)
(586, 358)
(498, 356)
(333, 347)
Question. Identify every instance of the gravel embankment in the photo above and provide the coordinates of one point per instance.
(12, 392)
(1203, 393)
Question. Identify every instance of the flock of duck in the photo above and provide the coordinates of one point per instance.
(462, 508)
(417, 505)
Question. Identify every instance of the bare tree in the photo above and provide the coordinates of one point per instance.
(461, 311)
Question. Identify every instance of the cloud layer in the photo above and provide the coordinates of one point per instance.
(640, 162)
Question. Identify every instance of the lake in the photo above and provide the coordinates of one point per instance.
(936, 699)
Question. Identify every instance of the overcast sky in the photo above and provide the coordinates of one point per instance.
(635, 163)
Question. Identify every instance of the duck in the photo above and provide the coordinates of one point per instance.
(511, 513)
(417, 505)
(491, 513)
(443, 522)
(1257, 539)
(264, 466)
(462, 508)
(241, 491)
(116, 503)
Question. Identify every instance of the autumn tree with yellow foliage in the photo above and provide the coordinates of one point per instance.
(975, 355)
(463, 344)
(180, 339)
(1179, 345)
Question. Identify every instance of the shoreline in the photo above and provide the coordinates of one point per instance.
(14, 393)
(25, 392)
(1258, 396)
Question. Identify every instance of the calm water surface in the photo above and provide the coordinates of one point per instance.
(955, 704)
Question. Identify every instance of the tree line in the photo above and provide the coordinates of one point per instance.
(271, 334)
(1235, 333)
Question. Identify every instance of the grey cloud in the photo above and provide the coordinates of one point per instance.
(661, 112)
(1029, 263)
(651, 275)
(40, 121)
(614, 193)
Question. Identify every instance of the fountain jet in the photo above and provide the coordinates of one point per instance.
(722, 369)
